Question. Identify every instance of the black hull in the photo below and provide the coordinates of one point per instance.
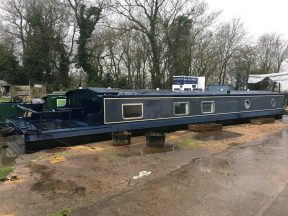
(35, 146)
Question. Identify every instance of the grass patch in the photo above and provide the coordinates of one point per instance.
(5, 99)
(4, 171)
(62, 212)
(189, 143)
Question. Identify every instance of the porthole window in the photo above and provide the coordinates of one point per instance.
(132, 111)
(273, 102)
(247, 104)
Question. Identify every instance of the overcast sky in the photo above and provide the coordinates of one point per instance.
(259, 16)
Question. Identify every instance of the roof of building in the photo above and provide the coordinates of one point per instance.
(281, 78)
(2, 82)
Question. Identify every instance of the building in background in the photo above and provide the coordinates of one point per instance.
(273, 81)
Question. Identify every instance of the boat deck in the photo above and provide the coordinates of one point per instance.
(47, 124)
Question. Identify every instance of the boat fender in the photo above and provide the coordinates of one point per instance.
(8, 131)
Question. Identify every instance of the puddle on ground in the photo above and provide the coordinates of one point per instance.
(194, 141)
(130, 151)
(52, 188)
(216, 135)
(217, 163)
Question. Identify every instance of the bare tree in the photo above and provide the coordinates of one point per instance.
(185, 36)
(272, 51)
(204, 60)
(115, 57)
(135, 55)
(14, 15)
(229, 39)
(243, 64)
(146, 18)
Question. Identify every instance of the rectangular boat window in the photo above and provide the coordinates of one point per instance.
(208, 106)
(181, 108)
(61, 102)
(132, 111)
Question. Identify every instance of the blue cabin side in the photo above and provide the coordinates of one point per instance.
(93, 107)
(110, 107)
(190, 108)
(96, 106)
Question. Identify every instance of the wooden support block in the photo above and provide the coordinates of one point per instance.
(204, 127)
(155, 139)
(121, 138)
(260, 121)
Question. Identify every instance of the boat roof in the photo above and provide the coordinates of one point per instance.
(109, 92)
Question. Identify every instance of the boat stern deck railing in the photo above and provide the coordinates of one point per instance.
(39, 116)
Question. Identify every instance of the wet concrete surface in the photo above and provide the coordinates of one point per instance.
(188, 177)
(53, 188)
(143, 149)
(250, 179)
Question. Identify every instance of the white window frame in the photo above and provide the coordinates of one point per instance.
(61, 99)
(187, 110)
(132, 104)
(213, 106)
(247, 104)
(273, 102)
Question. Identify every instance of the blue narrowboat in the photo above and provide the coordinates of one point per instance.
(92, 112)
